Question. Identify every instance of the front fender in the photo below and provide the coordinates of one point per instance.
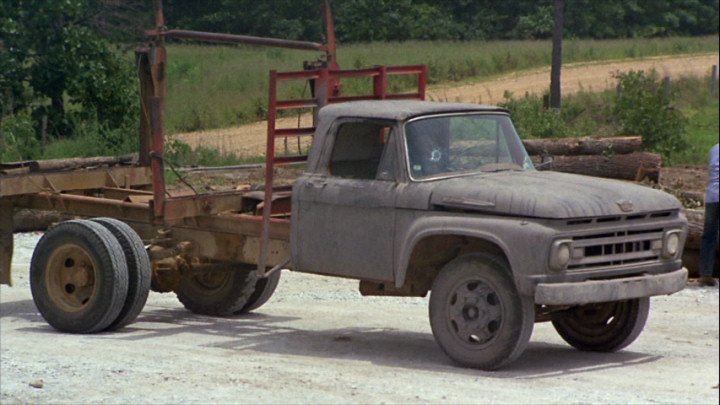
(524, 243)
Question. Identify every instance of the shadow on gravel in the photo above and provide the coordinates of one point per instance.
(547, 360)
(24, 309)
(383, 346)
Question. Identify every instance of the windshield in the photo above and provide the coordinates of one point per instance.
(466, 143)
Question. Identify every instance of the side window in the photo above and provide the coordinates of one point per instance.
(362, 151)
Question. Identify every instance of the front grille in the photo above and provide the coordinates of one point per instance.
(615, 248)
(618, 218)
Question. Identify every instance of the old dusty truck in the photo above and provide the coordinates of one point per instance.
(409, 197)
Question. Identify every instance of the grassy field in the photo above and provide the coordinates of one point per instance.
(221, 86)
(591, 113)
(703, 129)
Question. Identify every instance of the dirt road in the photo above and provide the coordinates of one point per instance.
(249, 140)
(318, 341)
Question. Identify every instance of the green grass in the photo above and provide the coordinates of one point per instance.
(221, 86)
(702, 134)
(591, 114)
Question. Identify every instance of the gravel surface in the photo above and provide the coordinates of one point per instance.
(319, 341)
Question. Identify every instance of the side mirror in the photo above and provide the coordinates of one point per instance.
(546, 162)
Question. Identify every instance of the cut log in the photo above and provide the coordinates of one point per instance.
(619, 145)
(28, 220)
(691, 261)
(696, 222)
(634, 166)
(691, 254)
(76, 163)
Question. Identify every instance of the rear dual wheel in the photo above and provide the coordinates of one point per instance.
(224, 293)
(139, 270)
(79, 277)
(89, 276)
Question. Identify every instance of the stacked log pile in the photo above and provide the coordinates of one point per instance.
(691, 254)
(615, 157)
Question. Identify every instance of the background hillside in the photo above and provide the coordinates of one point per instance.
(401, 20)
(68, 86)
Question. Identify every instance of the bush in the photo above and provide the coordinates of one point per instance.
(181, 154)
(93, 139)
(642, 108)
(533, 120)
(19, 138)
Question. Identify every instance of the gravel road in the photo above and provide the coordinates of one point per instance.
(318, 341)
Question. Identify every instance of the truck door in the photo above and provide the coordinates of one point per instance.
(344, 215)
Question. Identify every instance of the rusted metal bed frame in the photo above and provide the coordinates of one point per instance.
(226, 226)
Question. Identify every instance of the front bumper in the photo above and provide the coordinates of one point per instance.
(591, 291)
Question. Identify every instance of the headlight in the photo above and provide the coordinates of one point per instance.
(671, 244)
(560, 254)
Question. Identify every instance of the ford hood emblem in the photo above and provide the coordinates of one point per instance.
(625, 205)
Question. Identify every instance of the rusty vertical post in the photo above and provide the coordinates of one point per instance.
(330, 29)
(269, 173)
(6, 241)
(146, 91)
(422, 82)
(157, 58)
(321, 87)
(380, 83)
(331, 50)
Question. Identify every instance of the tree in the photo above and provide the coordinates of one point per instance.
(52, 56)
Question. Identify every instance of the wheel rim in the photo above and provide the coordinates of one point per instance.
(474, 313)
(597, 322)
(211, 282)
(70, 278)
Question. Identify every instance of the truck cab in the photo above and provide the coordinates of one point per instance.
(414, 196)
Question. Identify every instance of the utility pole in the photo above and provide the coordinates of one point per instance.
(559, 9)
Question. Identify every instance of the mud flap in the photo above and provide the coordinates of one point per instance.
(6, 241)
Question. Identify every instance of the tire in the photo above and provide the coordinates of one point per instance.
(139, 270)
(79, 277)
(217, 293)
(476, 314)
(605, 327)
(264, 289)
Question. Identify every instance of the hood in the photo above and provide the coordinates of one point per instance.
(549, 195)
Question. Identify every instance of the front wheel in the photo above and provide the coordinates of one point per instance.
(476, 314)
(604, 327)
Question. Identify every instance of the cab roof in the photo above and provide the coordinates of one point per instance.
(398, 110)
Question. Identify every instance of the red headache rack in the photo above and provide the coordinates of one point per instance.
(325, 83)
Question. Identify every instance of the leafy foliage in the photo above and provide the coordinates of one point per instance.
(400, 20)
(54, 65)
(582, 115)
(643, 107)
(682, 127)
(19, 138)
